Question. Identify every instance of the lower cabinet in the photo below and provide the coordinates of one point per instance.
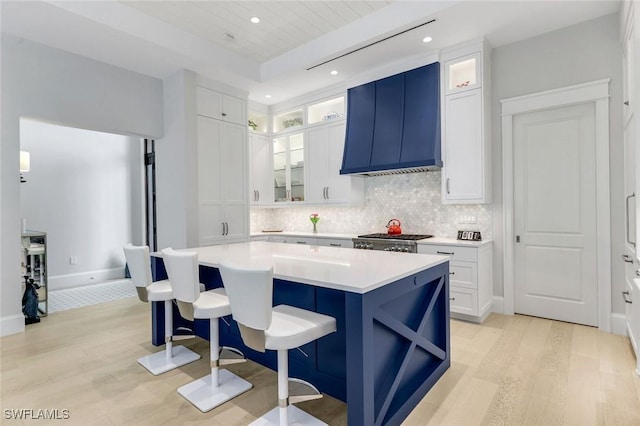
(470, 278)
(293, 239)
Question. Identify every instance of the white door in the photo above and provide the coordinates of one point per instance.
(555, 214)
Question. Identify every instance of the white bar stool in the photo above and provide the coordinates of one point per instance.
(159, 291)
(34, 250)
(220, 386)
(279, 328)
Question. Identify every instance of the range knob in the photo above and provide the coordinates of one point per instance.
(370, 246)
(406, 250)
(387, 249)
(357, 245)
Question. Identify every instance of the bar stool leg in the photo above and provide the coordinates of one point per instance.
(172, 357)
(283, 386)
(218, 387)
(168, 329)
(286, 413)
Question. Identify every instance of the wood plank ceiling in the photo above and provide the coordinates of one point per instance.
(284, 25)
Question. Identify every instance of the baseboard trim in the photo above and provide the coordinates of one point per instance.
(619, 324)
(59, 282)
(12, 324)
(498, 305)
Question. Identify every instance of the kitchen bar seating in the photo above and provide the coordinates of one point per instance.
(280, 328)
(160, 291)
(220, 386)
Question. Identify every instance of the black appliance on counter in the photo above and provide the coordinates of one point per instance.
(406, 243)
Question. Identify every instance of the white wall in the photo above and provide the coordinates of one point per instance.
(56, 86)
(580, 53)
(80, 191)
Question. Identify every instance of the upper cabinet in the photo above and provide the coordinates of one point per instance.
(258, 122)
(289, 120)
(325, 111)
(466, 152)
(324, 157)
(463, 73)
(261, 172)
(288, 168)
(394, 123)
(220, 106)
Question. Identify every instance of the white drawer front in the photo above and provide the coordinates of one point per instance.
(301, 240)
(463, 274)
(335, 242)
(463, 301)
(466, 254)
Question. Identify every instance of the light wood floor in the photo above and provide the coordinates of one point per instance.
(511, 370)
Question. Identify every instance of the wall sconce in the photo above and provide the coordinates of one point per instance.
(25, 164)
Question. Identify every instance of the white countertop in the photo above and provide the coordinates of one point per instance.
(356, 271)
(306, 234)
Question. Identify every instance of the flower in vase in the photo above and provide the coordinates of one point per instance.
(314, 218)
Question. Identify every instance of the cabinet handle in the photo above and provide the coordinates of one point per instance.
(288, 194)
(222, 228)
(327, 192)
(445, 252)
(626, 258)
(447, 185)
(625, 295)
(335, 245)
(627, 217)
(224, 114)
(301, 242)
(626, 103)
(452, 298)
(258, 193)
(452, 273)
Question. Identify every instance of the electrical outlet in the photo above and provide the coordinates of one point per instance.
(73, 260)
(468, 219)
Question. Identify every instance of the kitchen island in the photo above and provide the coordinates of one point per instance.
(392, 312)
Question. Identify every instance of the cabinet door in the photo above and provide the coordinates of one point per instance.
(340, 188)
(317, 164)
(208, 103)
(628, 76)
(233, 110)
(261, 187)
(233, 173)
(389, 115)
(463, 173)
(629, 187)
(209, 184)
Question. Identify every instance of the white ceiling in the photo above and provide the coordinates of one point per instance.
(272, 57)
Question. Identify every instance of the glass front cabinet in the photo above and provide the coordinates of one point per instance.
(288, 168)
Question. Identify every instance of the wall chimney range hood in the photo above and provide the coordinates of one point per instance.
(393, 124)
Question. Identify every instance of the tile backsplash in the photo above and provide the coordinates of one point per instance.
(413, 198)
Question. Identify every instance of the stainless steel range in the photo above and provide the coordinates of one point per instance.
(406, 243)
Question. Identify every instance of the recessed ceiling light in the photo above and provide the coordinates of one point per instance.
(267, 96)
(334, 72)
(427, 39)
(255, 19)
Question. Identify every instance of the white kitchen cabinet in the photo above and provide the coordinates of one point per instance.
(463, 73)
(465, 141)
(335, 242)
(220, 106)
(325, 184)
(222, 200)
(470, 278)
(288, 168)
(261, 174)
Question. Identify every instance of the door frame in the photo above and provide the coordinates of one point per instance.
(596, 92)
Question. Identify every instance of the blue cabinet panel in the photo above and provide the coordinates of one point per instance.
(387, 128)
(361, 109)
(421, 135)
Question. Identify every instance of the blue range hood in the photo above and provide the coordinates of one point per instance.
(393, 124)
